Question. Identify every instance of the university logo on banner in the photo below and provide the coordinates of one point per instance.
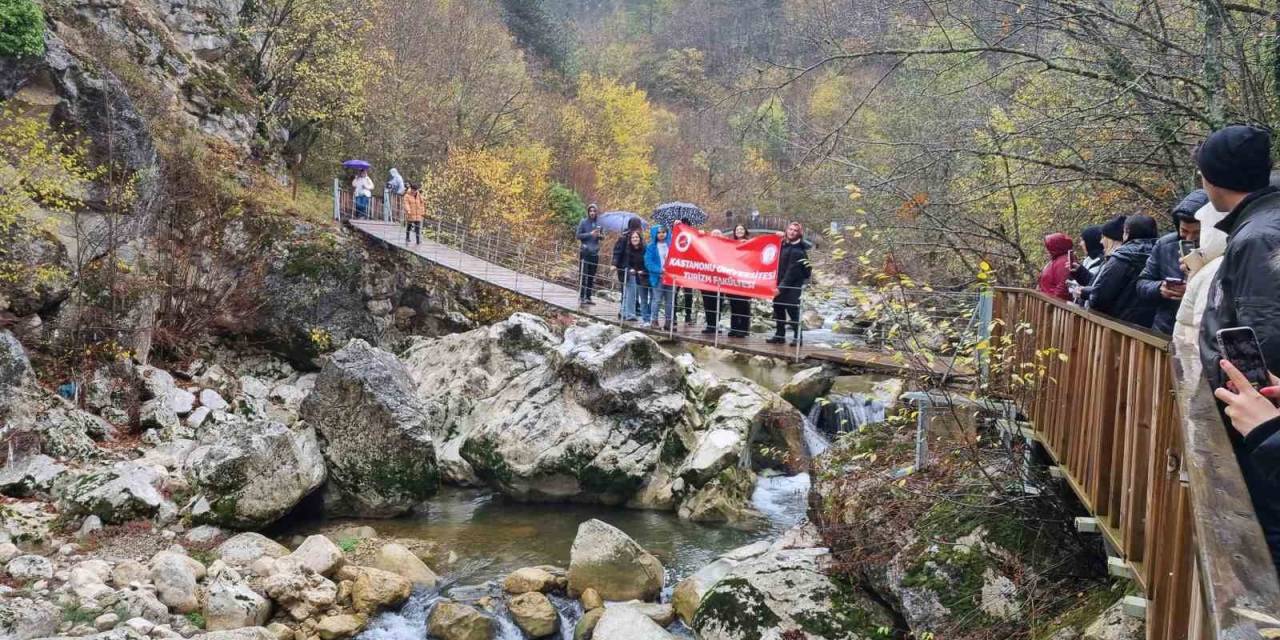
(715, 263)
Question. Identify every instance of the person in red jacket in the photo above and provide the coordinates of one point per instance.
(1056, 274)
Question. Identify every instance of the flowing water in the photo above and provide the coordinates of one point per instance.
(493, 536)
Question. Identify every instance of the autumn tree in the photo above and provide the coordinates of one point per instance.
(611, 126)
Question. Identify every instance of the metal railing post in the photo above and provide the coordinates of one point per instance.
(337, 200)
(986, 307)
(719, 306)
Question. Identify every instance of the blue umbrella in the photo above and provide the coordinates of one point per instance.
(357, 164)
(673, 212)
(616, 221)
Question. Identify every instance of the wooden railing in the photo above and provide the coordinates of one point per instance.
(1156, 470)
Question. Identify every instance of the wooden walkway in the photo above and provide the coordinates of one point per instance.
(566, 299)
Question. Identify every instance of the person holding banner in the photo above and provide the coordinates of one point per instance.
(664, 295)
(635, 292)
(793, 273)
(711, 300)
(739, 306)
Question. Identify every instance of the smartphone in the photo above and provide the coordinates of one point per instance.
(1175, 282)
(1240, 346)
(1185, 247)
(1071, 257)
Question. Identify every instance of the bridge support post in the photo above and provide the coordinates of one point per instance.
(337, 200)
(985, 311)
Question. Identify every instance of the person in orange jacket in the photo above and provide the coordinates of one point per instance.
(414, 210)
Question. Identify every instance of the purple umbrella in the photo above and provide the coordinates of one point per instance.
(616, 221)
(357, 165)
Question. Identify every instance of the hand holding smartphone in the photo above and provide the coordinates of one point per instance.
(1240, 347)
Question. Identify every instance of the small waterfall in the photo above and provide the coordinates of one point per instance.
(814, 440)
(410, 622)
(842, 413)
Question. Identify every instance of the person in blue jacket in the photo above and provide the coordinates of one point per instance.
(664, 295)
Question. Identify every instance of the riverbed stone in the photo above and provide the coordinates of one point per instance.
(591, 599)
(27, 618)
(120, 493)
(340, 627)
(128, 572)
(529, 579)
(301, 592)
(375, 434)
(176, 579)
(587, 624)
(663, 614)
(606, 559)
(375, 589)
(398, 559)
(230, 603)
(318, 554)
(244, 548)
(628, 623)
(688, 593)
(28, 568)
(534, 614)
(252, 472)
(30, 475)
(807, 386)
(783, 590)
(456, 621)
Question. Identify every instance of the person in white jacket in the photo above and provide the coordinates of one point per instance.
(1201, 266)
(362, 190)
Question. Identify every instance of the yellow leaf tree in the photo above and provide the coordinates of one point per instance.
(611, 127)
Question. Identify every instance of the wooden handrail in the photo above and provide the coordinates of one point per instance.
(1144, 448)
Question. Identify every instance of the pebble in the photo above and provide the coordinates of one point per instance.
(106, 622)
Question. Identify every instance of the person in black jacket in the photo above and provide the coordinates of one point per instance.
(1154, 286)
(633, 226)
(1113, 292)
(635, 292)
(739, 306)
(1235, 163)
(794, 272)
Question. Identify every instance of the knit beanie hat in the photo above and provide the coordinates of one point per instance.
(1114, 228)
(1092, 237)
(1237, 158)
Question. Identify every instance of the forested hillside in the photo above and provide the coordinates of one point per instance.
(966, 129)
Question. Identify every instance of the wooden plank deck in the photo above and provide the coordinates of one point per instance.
(566, 299)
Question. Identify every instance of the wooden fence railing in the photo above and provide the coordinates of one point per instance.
(1157, 471)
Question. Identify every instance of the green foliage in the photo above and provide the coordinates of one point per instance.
(567, 205)
(196, 619)
(77, 615)
(348, 544)
(535, 30)
(21, 29)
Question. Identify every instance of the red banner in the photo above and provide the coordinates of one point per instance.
(705, 262)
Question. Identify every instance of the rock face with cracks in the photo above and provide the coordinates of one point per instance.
(607, 560)
(375, 433)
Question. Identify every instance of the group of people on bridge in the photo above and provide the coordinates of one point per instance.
(649, 296)
(1211, 283)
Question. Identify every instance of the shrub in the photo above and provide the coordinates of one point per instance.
(21, 29)
(567, 204)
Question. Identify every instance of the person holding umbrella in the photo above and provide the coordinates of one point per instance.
(589, 232)
(793, 273)
(362, 189)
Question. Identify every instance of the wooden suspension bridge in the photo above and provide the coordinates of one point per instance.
(1143, 447)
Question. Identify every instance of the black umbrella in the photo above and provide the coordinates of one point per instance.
(672, 212)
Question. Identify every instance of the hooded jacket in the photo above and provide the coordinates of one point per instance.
(1164, 263)
(655, 257)
(396, 183)
(1053, 279)
(1113, 291)
(1186, 329)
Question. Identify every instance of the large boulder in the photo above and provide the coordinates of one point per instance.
(301, 592)
(251, 473)
(689, 592)
(375, 434)
(375, 589)
(781, 593)
(397, 559)
(317, 553)
(455, 621)
(122, 492)
(606, 559)
(30, 475)
(542, 418)
(176, 578)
